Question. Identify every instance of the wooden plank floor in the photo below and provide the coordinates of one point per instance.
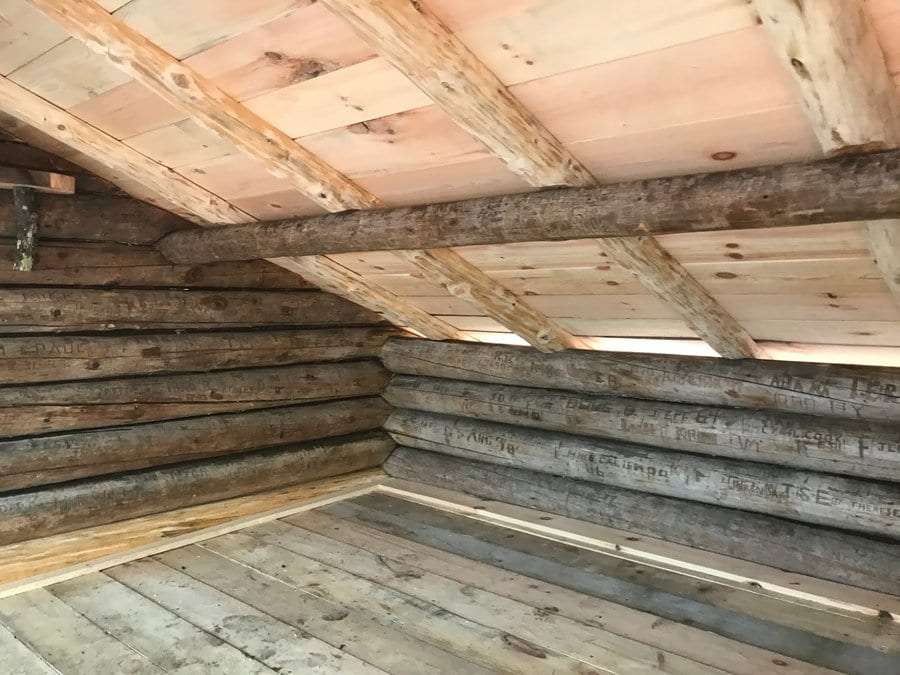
(381, 584)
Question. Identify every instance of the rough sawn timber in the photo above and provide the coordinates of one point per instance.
(824, 499)
(839, 556)
(853, 447)
(79, 504)
(833, 190)
(836, 391)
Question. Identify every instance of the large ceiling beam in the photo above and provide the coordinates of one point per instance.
(831, 49)
(845, 188)
(178, 84)
(434, 59)
(188, 197)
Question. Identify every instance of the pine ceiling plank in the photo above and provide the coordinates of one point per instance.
(213, 108)
(432, 57)
(60, 125)
(831, 48)
(460, 278)
(417, 43)
(206, 103)
(190, 198)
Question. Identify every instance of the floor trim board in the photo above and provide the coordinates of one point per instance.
(66, 556)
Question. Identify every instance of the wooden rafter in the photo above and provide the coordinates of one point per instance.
(188, 197)
(433, 58)
(445, 267)
(207, 104)
(831, 49)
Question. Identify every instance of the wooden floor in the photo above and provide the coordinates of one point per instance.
(380, 584)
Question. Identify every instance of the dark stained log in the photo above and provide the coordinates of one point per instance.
(25, 204)
(834, 190)
(43, 358)
(46, 408)
(86, 503)
(836, 391)
(77, 263)
(853, 447)
(824, 499)
(41, 460)
(31, 310)
(95, 218)
(835, 555)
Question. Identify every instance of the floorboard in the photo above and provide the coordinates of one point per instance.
(380, 584)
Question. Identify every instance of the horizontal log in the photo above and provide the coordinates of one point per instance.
(46, 408)
(86, 503)
(79, 263)
(824, 499)
(829, 191)
(784, 544)
(861, 392)
(29, 310)
(852, 447)
(95, 218)
(30, 462)
(43, 358)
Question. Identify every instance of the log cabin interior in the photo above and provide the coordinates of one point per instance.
(449, 336)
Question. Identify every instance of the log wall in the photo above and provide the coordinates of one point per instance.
(791, 465)
(131, 386)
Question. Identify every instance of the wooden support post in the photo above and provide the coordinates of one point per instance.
(25, 206)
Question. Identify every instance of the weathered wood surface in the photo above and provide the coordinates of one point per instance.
(839, 556)
(824, 499)
(835, 391)
(829, 191)
(853, 447)
(27, 220)
(90, 218)
(766, 623)
(41, 460)
(203, 101)
(79, 263)
(28, 310)
(665, 277)
(43, 358)
(446, 268)
(85, 503)
(47, 408)
(670, 636)
(36, 563)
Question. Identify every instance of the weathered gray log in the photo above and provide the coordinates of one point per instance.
(93, 218)
(43, 358)
(46, 408)
(79, 263)
(824, 499)
(805, 549)
(85, 503)
(29, 462)
(853, 447)
(836, 391)
(25, 204)
(29, 310)
(833, 190)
